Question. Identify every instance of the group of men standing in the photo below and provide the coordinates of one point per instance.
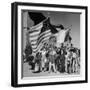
(63, 59)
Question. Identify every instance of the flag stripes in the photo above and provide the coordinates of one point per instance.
(45, 33)
(44, 37)
(37, 37)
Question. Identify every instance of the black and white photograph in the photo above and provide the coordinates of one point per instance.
(51, 44)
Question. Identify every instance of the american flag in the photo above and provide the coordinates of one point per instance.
(38, 34)
(41, 33)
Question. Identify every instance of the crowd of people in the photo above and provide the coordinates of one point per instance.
(50, 58)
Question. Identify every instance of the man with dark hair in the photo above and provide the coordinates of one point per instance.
(38, 62)
(57, 61)
(52, 54)
(62, 61)
(30, 60)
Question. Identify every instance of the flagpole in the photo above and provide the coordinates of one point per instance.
(48, 14)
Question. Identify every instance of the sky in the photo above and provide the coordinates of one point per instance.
(65, 18)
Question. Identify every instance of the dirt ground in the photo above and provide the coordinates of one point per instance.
(28, 73)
